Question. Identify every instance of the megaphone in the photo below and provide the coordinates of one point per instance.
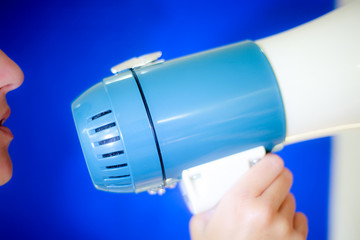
(142, 127)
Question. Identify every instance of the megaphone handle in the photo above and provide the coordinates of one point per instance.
(203, 186)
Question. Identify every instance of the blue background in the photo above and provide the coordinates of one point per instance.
(64, 47)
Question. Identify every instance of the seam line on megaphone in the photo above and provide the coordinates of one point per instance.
(151, 124)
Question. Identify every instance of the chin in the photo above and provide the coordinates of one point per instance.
(5, 167)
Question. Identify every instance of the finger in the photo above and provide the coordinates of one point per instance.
(258, 178)
(197, 225)
(276, 193)
(301, 224)
(287, 208)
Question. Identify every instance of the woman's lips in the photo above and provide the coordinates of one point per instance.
(6, 131)
(4, 116)
(2, 120)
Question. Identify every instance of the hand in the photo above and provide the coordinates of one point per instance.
(259, 206)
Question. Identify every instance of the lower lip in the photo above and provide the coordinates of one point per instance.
(6, 131)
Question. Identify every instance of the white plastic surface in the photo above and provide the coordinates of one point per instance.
(344, 208)
(136, 62)
(203, 186)
(318, 69)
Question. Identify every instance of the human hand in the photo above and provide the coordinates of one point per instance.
(259, 206)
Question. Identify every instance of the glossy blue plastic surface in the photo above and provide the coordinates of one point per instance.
(85, 109)
(131, 161)
(213, 104)
(201, 107)
(136, 131)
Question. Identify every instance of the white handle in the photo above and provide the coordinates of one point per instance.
(203, 186)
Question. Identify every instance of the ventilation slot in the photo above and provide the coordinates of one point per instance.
(106, 141)
(121, 176)
(100, 114)
(117, 166)
(112, 154)
(102, 128)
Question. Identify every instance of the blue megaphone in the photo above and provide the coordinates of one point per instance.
(140, 128)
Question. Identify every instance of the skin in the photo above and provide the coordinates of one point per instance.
(11, 77)
(259, 206)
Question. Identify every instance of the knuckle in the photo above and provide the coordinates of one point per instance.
(291, 196)
(290, 200)
(266, 214)
(283, 226)
(288, 175)
(301, 219)
(276, 160)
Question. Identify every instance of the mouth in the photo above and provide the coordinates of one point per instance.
(4, 116)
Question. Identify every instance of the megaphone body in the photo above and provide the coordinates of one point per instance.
(140, 128)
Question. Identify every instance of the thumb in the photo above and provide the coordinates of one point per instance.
(198, 223)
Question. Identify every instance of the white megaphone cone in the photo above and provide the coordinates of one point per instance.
(318, 69)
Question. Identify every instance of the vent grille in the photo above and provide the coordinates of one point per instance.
(101, 114)
(122, 176)
(106, 141)
(112, 154)
(109, 150)
(102, 128)
(117, 166)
